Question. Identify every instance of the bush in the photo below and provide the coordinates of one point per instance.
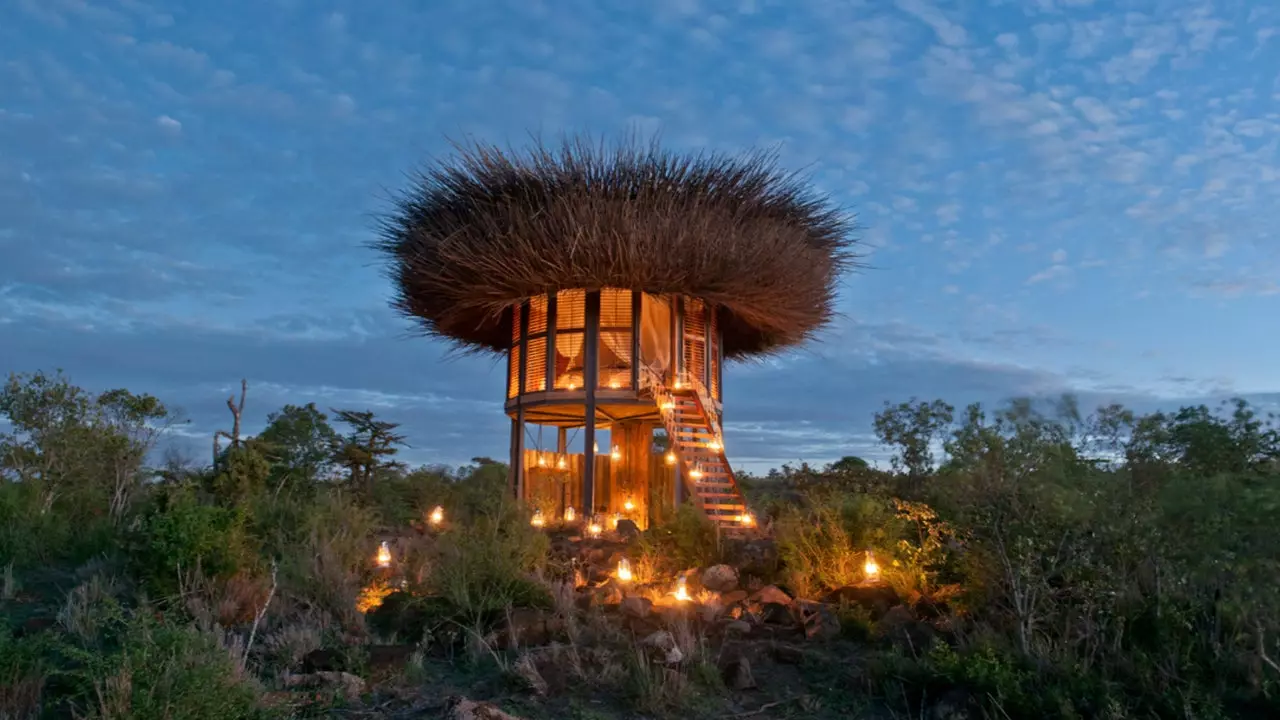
(178, 536)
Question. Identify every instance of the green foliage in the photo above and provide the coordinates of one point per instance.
(688, 539)
(489, 562)
(177, 535)
(299, 442)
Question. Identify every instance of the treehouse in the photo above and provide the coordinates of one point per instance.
(615, 283)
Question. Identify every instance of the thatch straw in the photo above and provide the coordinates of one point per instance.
(489, 228)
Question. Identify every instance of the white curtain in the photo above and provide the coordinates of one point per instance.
(655, 333)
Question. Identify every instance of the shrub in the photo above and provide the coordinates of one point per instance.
(178, 534)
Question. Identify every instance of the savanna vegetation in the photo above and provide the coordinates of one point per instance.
(1035, 561)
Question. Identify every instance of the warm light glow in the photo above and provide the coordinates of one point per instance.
(593, 530)
(437, 516)
(870, 567)
(613, 521)
(595, 447)
(624, 570)
(671, 457)
(628, 505)
(542, 461)
(682, 590)
(668, 405)
(613, 384)
(384, 555)
(561, 464)
(570, 515)
(537, 520)
(747, 519)
(571, 386)
(715, 446)
(616, 454)
(696, 473)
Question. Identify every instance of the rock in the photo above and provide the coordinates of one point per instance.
(720, 578)
(876, 599)
(737, 674)
(788, 654)
(628, 530)
(529, 626)
(901, 627)
(663, 643)
(610, 593)
(955, 704)
(733, 596)
(350, 686)
(464, 709)
(741, 627)
(771, 594)
(776, 614)
(527, 670)
(637, 607)
(753, 557)
(820, 623)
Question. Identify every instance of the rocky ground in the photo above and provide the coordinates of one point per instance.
(736, 647)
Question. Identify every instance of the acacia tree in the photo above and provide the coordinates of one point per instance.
(368, 447)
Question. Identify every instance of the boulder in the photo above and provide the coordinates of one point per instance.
(901, 627)
(464, 709)
(662, 644)
(771, 594)
(628, 530)
(820, 623)
(637, 607)
(733, 596)
(349, 686)
(876, 598)
(720, 578)
(736, 673)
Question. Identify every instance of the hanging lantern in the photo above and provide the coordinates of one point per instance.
(624, 570)
(384, 555)
(871, 567)
(671, 457)
(537, 520)
(437, 516)
(569, 515)
(682, 590)
(616, 454)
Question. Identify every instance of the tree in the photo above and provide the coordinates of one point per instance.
(300, 443)
(363, 451)
(913, 427)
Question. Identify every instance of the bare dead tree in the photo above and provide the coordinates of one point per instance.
(237, 410)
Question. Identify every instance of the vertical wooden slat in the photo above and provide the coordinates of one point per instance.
(551, 342)
(637, 297)
(591, 379)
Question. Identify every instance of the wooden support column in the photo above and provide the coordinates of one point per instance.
(562, 450)
(591, 359)
(516, 471)
(631, 475)
(677, 363)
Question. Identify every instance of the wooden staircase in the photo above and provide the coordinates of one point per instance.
(694, 430)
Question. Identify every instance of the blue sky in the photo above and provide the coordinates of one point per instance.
(1055, 195)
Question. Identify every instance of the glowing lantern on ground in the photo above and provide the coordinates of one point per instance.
(682, 590)
(593, 528)
(628, 505)
(537, 520)
(570, 515)
(384, 555)
(671, 457)
(870, 567)
(437, 516)
(624, 570)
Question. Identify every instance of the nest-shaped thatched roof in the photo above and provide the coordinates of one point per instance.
(488, 228)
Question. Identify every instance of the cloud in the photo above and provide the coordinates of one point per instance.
(169, 125)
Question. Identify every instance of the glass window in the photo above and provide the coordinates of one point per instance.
(615, 339)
